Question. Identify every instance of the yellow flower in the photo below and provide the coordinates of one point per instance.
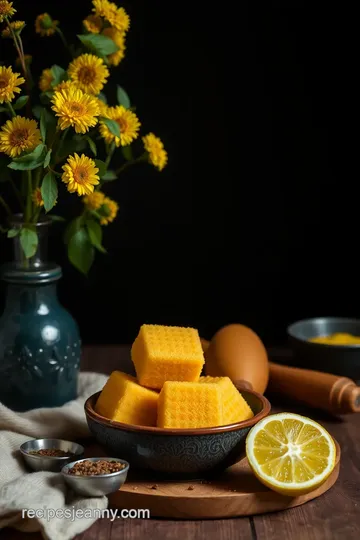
(37, 197)
(119, 39)
(9, 84)
(46, 79)
(74, 108)
(64, 85)
(80, 174)
(155, 148)
(128, 122)
(19, 135)
(117, 17)
(102, 107)
(94, 201)
(89, 73)
(93, 24)
(108, 211)
(45, 25)
(6, 10)
(17, 26)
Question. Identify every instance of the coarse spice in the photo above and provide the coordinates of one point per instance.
(51, 452)
(92, 468)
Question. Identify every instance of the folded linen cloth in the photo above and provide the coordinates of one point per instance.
(45, 492)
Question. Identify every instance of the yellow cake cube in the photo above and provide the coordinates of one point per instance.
(189, 405)
(123, 400)
(234, 407)
(167, 353)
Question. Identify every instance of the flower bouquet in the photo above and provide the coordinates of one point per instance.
(55, 129)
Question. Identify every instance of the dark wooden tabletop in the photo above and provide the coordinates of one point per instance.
(333, 516)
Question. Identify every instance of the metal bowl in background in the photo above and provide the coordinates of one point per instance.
(95, 485)
(49, 463)
(338, 359)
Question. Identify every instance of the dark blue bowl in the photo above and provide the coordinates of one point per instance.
(337, 359)
(185, 452)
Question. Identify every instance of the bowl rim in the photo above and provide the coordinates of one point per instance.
(265, 411)
(80, 451)
(292, 334)
(105, 458)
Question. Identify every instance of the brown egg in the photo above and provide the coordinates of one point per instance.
(237, 352)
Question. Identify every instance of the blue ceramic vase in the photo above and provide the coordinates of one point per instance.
(40, 344)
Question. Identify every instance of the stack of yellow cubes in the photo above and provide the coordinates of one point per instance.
(168, 390)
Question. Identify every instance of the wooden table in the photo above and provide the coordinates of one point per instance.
(335, 515)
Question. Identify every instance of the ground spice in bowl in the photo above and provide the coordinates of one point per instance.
(50, 452)
(92, 468)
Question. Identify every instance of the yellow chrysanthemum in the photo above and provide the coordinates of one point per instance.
(89, 73)
(45, 25)
(115, 58)
(19, 135)
(37, 197)
(80, 174)
(108, 211)
(74, 108)
(93, 24)
(155, 148)
(102, 107)
(94, 201)
(64, 85)
(16, 26)
(46, 78)
(128, 122)
(117, 17)
(9, 84)
(6, 10)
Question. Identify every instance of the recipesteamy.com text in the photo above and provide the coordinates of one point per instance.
(73, 513)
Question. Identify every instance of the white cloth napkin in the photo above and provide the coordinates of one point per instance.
(45, 492)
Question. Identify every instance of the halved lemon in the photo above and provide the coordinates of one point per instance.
(290, 454)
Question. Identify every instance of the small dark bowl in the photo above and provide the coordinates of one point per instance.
(338, 359)
(179, 452)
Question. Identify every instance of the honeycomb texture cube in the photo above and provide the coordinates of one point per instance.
(123, 400)
(167, 353)
(189, 405)
(234, 407)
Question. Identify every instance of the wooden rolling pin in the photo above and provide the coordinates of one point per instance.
(334, 394)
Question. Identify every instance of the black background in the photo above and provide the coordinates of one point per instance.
(255, 219)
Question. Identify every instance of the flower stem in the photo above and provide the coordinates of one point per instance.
(11, 108)
(110, 154)
(63, 39)
(6, 206)
(28, 209)
(129, 163)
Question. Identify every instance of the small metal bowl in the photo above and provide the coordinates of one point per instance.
(49, 463)
(96, 485)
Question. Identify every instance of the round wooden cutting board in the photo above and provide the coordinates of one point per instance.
(236, 492)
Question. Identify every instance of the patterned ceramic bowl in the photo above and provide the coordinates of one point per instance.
(184, 452)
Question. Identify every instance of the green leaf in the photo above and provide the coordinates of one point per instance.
(123, 98)
(12, 233)
(127, 152)
(20, 102)
(55, 218)
(113, 126)
(28, 241)
(48, 119)
(4, 109)
(81, 253)
(59, 74)
(95, 234)
(43, 124)
(72, 228)
(47, 159)
(37, 110)
(102, 97)
(109, 176)
(98, 44)
(49, 191)
(73, 145)
(30, 161)
(101, 166)
(92, 145)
